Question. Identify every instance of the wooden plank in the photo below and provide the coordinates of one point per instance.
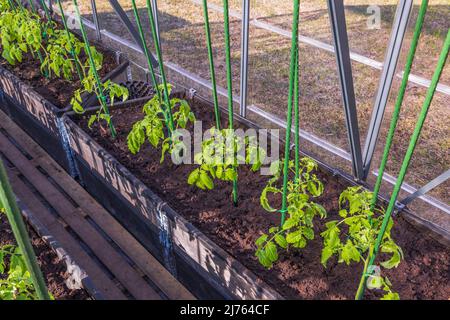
(136, 285)
(101, 281)
(171, 287)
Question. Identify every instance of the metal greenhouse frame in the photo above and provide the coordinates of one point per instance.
(360, 155)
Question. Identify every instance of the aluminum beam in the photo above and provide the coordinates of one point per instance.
(442, 88)
(426, 188)
(156, 17)
(130, 28)
(96, 21)
(244, 57)
(342, 52)
(399, 28)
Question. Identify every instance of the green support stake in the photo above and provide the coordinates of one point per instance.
(412, 145)
(147, 54)
(8, 202)
(294, 46)
(72, 49)
(13, 6)
(211, 64)
(399, 101)
(161, 65)
(94, 71)
(297, 119)
(47, 13)
(229, 85)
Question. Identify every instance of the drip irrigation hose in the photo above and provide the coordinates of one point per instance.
(72, 49)
(399, 101)
(211, 64)
(405, 164)
(294, 46)
(147, 55)
(8, 202)
(230, 87)
(94, 71)
(161, 64)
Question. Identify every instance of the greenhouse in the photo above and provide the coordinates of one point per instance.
(224, 150)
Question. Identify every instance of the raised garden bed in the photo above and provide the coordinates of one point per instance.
(209, 244)
(36, 103)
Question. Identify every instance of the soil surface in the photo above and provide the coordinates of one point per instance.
(424, 274)
(53, 269)
(58, 91)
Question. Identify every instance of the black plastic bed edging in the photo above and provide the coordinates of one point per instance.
(40, 118)
(202, 266)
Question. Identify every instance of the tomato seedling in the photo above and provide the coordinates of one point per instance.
(154, 126)
(354, 235)
(298, 228)
(221, 155)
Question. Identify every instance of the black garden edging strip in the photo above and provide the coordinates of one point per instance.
(202, 266)
(38, 116)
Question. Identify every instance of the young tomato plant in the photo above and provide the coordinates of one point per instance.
(153, 127)
(18, 284)
(221, 155)
(353, 236)
(298, 228)
(59, 58)
(20, 31)
(113, 90)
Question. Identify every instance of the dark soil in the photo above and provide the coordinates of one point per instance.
(53, 269)
(58, 91)
(424, 274)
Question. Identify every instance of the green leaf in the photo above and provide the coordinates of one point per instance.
(261, 240)
(343, 213)
(271, 251)
(263, 199)
(193, 176)
(308, 233)
(327, 252)
(391, 296)
(349, 253)
(281, 241)
(206, 180)
(263, 259)
(397, 254)
(294, 237)
(290, 223)
(91, 121)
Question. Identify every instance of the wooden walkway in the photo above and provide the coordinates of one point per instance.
(118, 265)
